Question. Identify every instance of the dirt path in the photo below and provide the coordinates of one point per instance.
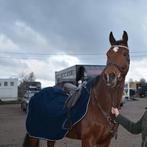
(12, 127)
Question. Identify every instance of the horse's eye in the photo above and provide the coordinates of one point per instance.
(125, 54)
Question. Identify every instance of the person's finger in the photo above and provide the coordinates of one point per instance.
(113, 110)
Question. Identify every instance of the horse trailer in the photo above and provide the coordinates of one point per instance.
(9, 89)
(69, 74)
(142, 89)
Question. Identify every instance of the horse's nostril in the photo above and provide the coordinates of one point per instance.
(112, 76)
(123, 68)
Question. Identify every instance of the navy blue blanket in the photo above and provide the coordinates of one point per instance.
(47, 115)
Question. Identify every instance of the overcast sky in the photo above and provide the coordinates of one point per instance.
(44, 36)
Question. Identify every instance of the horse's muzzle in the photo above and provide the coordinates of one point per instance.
(112, 75)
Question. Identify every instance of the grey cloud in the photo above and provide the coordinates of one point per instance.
(82, 25)
(74, 27)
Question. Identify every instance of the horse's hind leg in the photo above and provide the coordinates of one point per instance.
(33, 142)
(50, 143)
(26, 141)
(30, 142)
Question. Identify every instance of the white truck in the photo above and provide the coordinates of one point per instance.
(31, 89)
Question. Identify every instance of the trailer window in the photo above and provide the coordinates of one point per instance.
(5, 83)
(11, 83)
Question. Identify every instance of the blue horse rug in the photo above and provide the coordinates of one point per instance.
(47, 116)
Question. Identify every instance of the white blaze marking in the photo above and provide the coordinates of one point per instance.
(115, 49)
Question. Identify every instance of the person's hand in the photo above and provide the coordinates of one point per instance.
(115, 111)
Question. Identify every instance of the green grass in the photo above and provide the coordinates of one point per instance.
(10, 102)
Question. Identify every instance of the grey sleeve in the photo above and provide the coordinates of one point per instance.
(132, 127)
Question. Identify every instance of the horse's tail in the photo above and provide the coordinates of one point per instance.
(28, 141)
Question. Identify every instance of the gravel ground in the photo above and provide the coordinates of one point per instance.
(12, 127)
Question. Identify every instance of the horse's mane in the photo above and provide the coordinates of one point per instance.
(119, 42)
(94, 81)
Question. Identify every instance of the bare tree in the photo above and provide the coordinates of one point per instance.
(24, 79)
(31, 77)
(142, 80)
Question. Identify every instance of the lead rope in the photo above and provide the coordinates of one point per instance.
(101, 109)
(115, 130)
(106, 115)
(110, 121)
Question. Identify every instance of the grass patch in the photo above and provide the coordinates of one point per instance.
(9, 102)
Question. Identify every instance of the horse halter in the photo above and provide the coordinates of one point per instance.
(112, 124)
(115, 48)
(113, 65)
(115, 71)
(122, 46)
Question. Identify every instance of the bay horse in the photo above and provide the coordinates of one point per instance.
(98, 126)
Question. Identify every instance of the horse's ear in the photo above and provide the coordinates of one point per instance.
(125, 37)
(112, 39)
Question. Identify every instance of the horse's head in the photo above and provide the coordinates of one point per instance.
(117, 60)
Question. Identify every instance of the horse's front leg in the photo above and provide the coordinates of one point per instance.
(88, 142)
(104, 144)
(50, 143)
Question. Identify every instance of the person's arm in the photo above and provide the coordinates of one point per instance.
(134, 128)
